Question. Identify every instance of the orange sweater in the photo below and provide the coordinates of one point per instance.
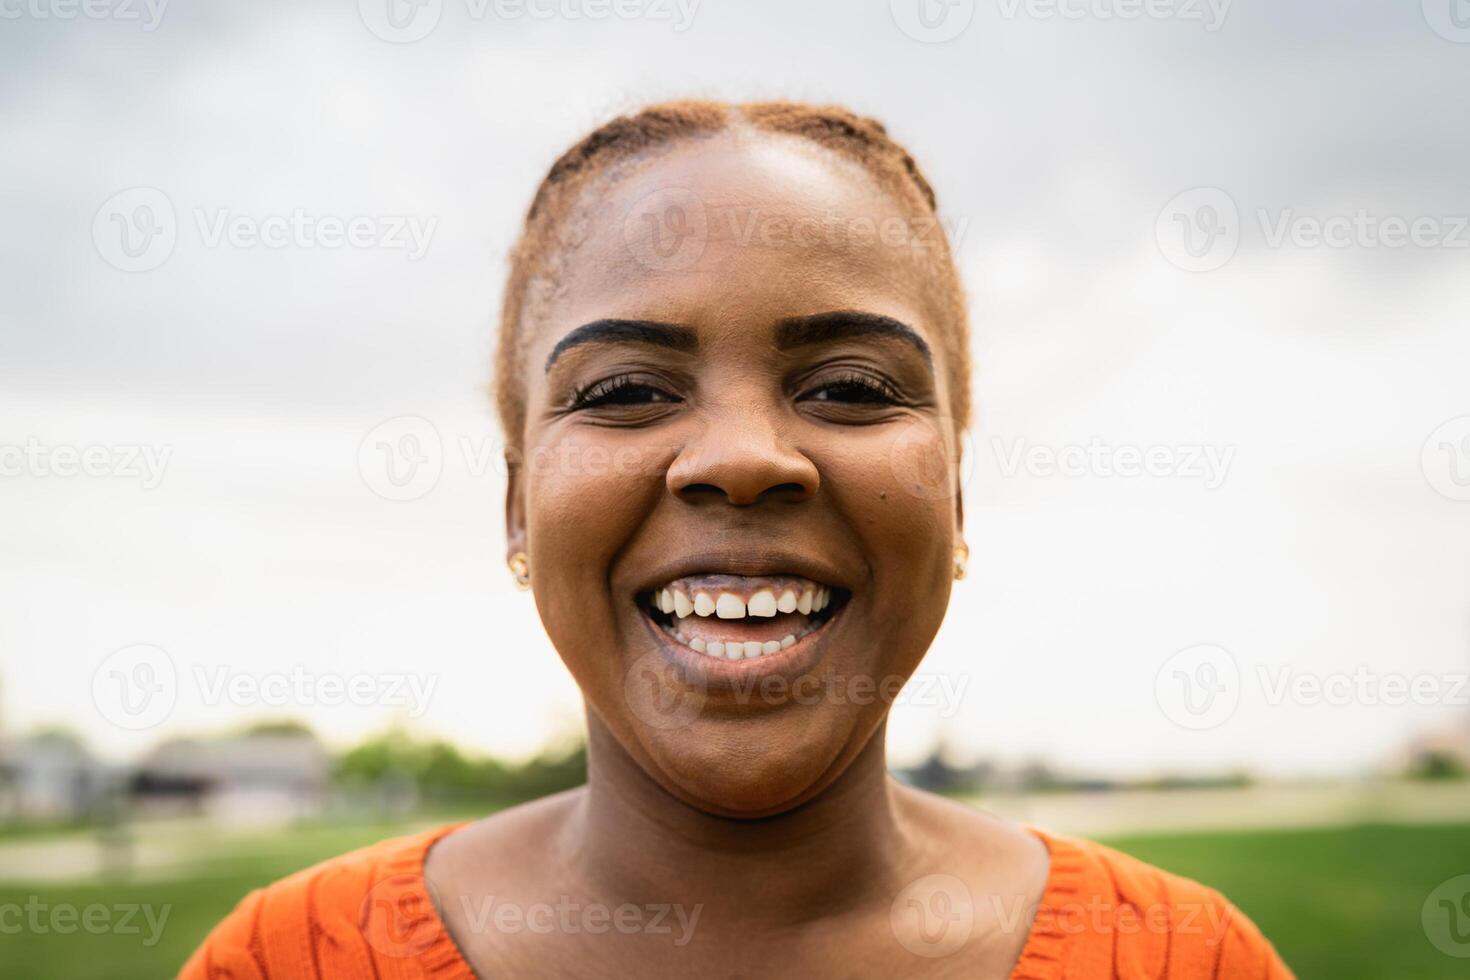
(367, 914)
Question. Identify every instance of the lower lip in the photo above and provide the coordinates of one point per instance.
(716, 674)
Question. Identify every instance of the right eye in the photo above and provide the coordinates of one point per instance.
(620, 390)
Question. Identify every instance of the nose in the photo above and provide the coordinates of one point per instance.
(742, 458)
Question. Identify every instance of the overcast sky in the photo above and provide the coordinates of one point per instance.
(1135, 199)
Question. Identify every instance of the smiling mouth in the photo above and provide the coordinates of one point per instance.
(739, 617)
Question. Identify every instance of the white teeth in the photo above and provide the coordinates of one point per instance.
(738, 649)
(763, 603)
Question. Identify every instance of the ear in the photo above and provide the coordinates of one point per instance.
(515, 506)
(961, 549)
(959, 511)
(959, 487)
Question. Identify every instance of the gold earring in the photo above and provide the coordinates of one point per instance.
(961, 561)
(520, 570)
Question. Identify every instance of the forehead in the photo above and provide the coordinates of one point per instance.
(736, 231)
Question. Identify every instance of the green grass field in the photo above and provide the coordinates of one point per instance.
(1341, 903)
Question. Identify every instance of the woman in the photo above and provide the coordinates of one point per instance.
(733, 368)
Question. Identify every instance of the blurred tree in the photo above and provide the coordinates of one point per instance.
(1436, 764)
(444, 774)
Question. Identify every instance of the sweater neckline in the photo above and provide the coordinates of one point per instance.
(439, 957)
(1042, 955)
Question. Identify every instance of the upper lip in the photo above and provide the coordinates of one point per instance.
(757, 561)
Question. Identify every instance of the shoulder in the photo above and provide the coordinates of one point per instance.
(353, 915)
(1105, 911)
(512, 841)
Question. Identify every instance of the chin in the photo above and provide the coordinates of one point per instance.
(756, 767)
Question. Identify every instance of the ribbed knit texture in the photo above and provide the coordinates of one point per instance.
(368, 914)
(1106, 915)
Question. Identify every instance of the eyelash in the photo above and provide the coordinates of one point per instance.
(614, 391)
(873, 389)
(607, 391)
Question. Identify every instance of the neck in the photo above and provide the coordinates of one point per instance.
(634, 840)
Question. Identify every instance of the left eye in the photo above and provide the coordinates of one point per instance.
(854, 390)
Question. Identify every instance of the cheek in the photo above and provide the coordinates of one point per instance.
(587, 491)
(894, 489)
(896, 486)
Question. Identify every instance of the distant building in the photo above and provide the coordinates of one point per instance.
(253, 779)
(50, 776)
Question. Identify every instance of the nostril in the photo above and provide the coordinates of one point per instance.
(693, 488)
(741, 476)
(787, 488)
(779, 491)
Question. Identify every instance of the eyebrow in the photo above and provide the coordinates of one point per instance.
(652, 332)
(795, 331)
(842, 324)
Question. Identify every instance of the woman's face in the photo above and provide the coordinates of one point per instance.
(738, 483)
